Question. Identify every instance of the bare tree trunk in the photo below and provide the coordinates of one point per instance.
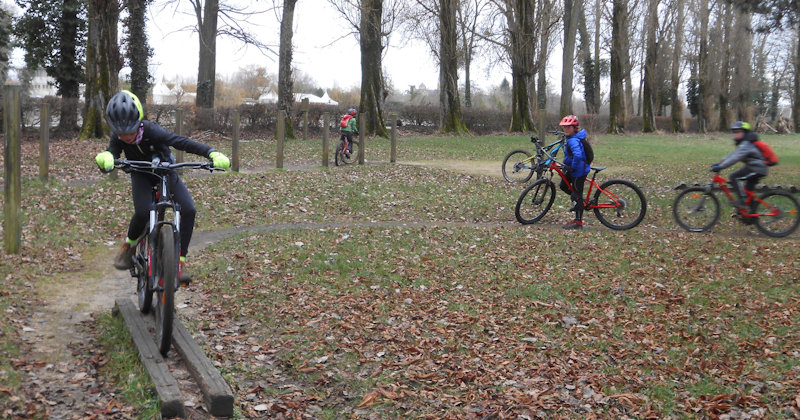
(207, 65)
(616, 119)
(741, 87)
(704, 91)
(650, 87)
(373, 91)
(544, 41)
(598, 13)
(138, 49)
(725, 69)
(585, 58)
(796, 90)
(571, 10)
(285, 88)
(102, 64)
(69, 87)
(523, 40)
(677, 110)
(449, 103)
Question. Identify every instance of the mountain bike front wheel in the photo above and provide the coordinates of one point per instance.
(535, 201)
(620, 204)
(696, 209)
(167, 278)
(345, 158)
(144, 290)
(781, 214)
(517, 166)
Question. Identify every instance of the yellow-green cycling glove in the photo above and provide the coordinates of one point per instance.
(219, 160)
(105, 161)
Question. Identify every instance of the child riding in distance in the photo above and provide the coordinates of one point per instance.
(348, 126)
(575, 167)
(142, 140)
(754, 166)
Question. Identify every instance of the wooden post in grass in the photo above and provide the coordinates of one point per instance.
(362, 126)
(44, 142)
(326, 120)
(281, 135)
(304, 107)
(13, 172)
(179, 131)
(235, 152)
(393, 139)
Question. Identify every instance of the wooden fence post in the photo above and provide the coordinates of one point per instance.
(326, 120)
(362, 125)
(235, 152)
(13, 170)
(393, 139)
(304, 106)
(281, 137)
(44, 142)
(179, 131)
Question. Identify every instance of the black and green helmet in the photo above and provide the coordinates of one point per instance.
(741, 125)
(124, 112)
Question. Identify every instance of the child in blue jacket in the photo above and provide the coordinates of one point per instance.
(575, 168)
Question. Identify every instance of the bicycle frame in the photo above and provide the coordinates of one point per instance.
(722, 183)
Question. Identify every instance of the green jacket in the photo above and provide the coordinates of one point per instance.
(352, 126)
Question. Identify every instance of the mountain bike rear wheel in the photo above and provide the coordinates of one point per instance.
(696, 209)
(623, 205)
(781, 216)
(144, 291)
(516, 166)
(167, 278)
(344, 158)
(535, 201)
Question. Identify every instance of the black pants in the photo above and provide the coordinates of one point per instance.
(750, 179)
(576, 195)
(349, 136)
(141, 191)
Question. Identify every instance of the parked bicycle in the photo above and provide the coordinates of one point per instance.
(346, 152)
(618, 204)
(776, 213)
(156, 260)
(520, 165)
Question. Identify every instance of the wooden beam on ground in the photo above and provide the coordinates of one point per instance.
(216, 392)
(166, 386)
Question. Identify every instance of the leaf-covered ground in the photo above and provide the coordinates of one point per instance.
(398, 291)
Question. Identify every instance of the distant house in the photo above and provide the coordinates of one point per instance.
(271, 97)
(163, 95)
(42, 85)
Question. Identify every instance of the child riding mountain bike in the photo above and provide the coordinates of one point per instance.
(754, 168)
(578, 167)
(143, 140)
(348, 127)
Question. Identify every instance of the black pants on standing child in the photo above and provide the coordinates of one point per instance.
(576, 195)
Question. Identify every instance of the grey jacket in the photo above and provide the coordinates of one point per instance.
(748, 153)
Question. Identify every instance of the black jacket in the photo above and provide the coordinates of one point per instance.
(156, 141)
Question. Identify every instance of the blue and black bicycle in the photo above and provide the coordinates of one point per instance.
(520, 165)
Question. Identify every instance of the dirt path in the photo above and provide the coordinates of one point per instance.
(470, 167)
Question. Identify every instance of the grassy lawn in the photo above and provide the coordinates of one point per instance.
(470, 315)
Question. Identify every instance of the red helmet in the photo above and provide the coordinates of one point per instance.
(569, 120)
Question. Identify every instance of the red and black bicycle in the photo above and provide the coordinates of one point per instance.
(618, 204)
(776, 213)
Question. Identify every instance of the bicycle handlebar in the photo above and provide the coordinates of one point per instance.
(155, 164)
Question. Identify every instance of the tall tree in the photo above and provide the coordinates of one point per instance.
(703, 69)
(5, 43)
(285, 91)
(467, 18)
(617, 109)
(138, 51)
(572, 8)
(449, 103)
(373, 88)
(725, 67)
(650, 85)
(52, 33)
(102, 64)
(742, 83)
(586, 61)
(675, 80)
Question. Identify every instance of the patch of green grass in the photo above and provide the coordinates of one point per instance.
(124, 368)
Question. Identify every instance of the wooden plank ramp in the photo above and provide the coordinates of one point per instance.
(216, 392)
(165, 384)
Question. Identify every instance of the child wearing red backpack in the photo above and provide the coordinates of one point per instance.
(348, 126)
(755, 166)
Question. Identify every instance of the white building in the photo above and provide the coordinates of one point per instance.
(163, 95)
(42, 85)
(271, 97)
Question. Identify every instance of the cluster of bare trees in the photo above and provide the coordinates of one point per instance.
(717, 60)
